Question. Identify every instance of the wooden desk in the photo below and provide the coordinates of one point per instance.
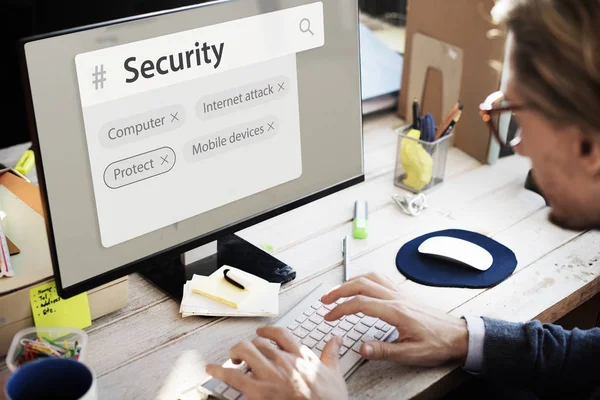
(148, 351)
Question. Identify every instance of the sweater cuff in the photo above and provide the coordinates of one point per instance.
(476, 328)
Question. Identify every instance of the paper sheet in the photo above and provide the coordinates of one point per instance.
(264, 301)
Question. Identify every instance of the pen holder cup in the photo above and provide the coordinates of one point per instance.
(420, 165)
(33, 343)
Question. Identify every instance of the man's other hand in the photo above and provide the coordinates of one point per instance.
(427, 337)
(288, 371)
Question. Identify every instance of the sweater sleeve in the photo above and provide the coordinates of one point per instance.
(542, 358)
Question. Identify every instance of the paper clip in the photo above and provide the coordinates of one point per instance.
(411, 205)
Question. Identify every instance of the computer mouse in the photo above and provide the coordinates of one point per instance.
(457, 250)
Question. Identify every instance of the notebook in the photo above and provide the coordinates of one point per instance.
(214, 296)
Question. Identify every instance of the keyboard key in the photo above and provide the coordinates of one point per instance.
(354, 335)
(360, 328)
(322, 311)
(317, 352)
(337, 332)
(379, 335)
(330, 306)
(348, 342)
(309, 312)
(301, 318)
(333, 323)
(231, 394)
(318, 335)
(324, 328)
(293, 326)
(309, 342)
(243, 397)
(343, 350)
(340, 300)
(317, 305)
(360, 315)
(315, 319)
(368, 321)
(386, 327)
(309, 326)
(357, 346)
(301, 332)
(327, 338)
(221, 388)
(353, 319)
(379, 324)
(370, 335)
(345, 326)
(321, 345)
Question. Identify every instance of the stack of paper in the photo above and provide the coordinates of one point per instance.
(214, 296)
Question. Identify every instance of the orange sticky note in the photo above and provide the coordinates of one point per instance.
(51, 310)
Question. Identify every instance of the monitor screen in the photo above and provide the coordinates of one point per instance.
(154, 133)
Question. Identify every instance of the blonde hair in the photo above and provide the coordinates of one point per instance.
(555, 57)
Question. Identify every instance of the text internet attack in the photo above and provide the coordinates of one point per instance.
(206, 54)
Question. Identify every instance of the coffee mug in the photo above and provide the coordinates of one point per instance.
(52, 378)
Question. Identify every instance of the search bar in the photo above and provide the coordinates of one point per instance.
(111, 73)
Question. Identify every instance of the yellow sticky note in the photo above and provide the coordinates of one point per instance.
(50, 310)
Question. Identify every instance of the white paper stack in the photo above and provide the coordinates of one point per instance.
(262, 299)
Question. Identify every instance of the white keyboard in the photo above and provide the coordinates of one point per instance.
(305, 321)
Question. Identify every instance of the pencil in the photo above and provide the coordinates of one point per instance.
(446, 121)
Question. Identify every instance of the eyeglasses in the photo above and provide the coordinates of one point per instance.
(491, 110)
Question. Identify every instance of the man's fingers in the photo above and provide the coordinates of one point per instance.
(330, 354)
(282, 337)
(234, 377)
(255, 360)
(382, 309)
(379, 278)
(375, 350)
(277, 356)
(359, 286)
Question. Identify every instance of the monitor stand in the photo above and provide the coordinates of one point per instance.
(170, 274)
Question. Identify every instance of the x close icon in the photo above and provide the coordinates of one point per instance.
(271, 126)
(281, 86)
(174, 117)
(164, 159)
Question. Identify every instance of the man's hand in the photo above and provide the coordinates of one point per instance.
(289, 372)
(427, 337)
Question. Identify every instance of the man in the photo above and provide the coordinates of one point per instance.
(554, 93)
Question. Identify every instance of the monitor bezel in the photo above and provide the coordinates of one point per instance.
(178, 249)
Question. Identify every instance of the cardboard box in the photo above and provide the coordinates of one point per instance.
(25, 226)
(462, 27)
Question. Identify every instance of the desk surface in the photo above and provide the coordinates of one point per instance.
(148, 351)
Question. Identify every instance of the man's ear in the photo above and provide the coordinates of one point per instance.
(590, 154)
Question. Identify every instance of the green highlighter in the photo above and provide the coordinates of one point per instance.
(361, 220)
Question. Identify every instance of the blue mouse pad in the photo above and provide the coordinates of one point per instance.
(431, 271)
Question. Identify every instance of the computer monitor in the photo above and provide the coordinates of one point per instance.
(160, 133)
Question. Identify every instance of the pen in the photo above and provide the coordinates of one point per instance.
(416, 115)
(345, 251)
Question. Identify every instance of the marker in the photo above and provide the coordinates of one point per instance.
(26, 162)
(236, 279)
(359, 226)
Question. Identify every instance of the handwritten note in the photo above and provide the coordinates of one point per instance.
(50, 310)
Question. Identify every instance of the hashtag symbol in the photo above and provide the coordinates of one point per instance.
(99, 77)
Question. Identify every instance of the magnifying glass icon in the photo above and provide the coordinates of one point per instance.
(305, 26)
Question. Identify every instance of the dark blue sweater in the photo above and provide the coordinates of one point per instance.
(543, 358)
